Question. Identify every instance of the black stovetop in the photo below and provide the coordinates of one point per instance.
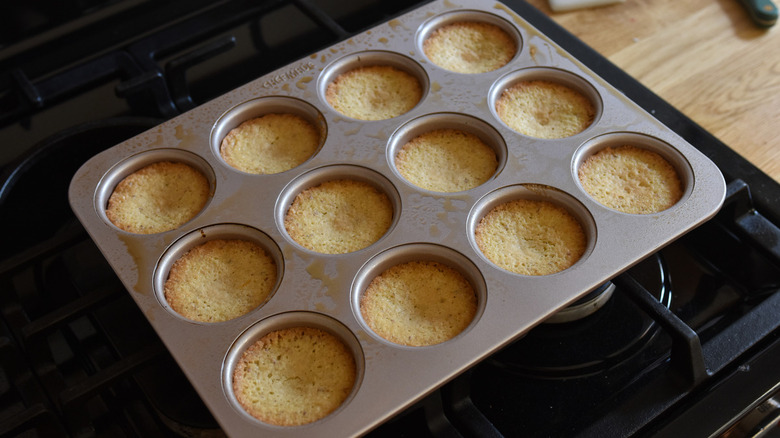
(687, 341)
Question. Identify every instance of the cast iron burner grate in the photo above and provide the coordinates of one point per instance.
(79, 359)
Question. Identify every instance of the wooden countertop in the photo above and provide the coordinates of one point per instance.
(705, 57)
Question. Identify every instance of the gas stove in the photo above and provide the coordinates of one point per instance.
(685, 343)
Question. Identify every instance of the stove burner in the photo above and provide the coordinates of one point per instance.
(585, 306)
(38, 182)
(565, 348)
(569, 366)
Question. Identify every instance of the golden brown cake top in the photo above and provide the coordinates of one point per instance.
(470, 47)
(339, 216)
(159, 197)
(220, 280)
(270, 144)
(531, 237)
(374, 93)
(545, 109)
(419, 303)
(631, 180)
(446, 160)
(294, 376)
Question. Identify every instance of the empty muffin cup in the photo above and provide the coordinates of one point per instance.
(545, 103)
(269, 135)
(293, 369)
(468, 41)
(218, 273)
(155, 191)
(373, 85)
(531, 229)
(446, 152)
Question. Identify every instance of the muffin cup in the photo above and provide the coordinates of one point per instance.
(642, 141)
(203, 235)
(417, 252)
(333, 173)
(138, 161)
(460, 16)
(556, 75)
(367, 59)
(262, 106)
(286, 321)
(534, 192)
(461, 122)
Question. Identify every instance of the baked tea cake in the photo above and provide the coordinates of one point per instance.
(470, 47)
(272, 143)
(419, 303)
(531, 237)
(631, 179)
(294, 376)
(375, 92)
(220, 280)
(545, 109)
(159, 197)
(339, 216)
(446, 160)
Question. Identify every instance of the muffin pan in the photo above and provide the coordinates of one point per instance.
(323, 291)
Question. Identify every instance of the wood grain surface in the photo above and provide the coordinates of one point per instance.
(705, 57)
